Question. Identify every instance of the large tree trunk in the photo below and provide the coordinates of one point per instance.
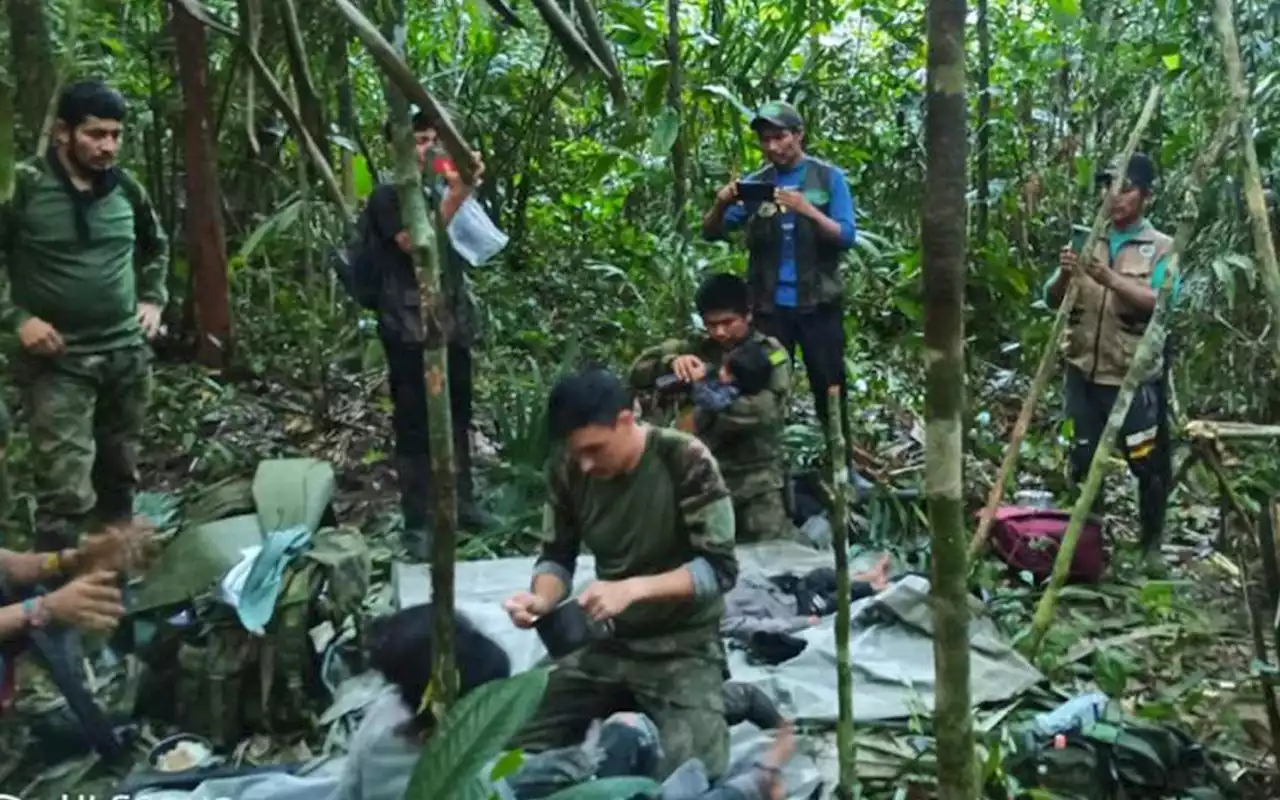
(206, 243)
(943, 233)
(32, 50)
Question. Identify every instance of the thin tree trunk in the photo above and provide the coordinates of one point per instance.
(303, 85)
(32, 58)
(943, 234)
(8, 151)
(1149, 350)
(206, 242)
(1050, 357)
(846, 745)
(679, 159)
(603, 48)
(1253, 191)
(251, 35)
(984, 121)
(413, 208)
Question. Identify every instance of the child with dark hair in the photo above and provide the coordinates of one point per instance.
(745, 373)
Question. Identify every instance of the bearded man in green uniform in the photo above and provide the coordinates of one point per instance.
(87, 262)
(745, 437)
(650, 504)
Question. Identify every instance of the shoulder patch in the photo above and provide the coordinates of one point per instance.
(1147, 250)
(777, 357)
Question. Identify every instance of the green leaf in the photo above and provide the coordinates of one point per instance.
(665, 132)
(474, 731)
(289, 492)
(506, 766)
(610, 789)
(1065, 11)
(1172, 61)
(656, 88)
(362, 177)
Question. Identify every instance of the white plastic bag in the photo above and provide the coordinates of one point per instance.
(474, 235)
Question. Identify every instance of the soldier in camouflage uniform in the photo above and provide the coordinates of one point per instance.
(650, 504)
(405, 335)
(87, 263)
(746, 438)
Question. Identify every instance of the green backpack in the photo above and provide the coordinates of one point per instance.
(1118, 757)
(230, 684)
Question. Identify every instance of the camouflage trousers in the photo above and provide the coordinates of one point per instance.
(678, 685)
(758, 511)
(84, 415)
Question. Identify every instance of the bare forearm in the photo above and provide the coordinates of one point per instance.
(550, 588)
(24, 569)
(672, 586)
(1056, 292)
(713, 220)
(1137, 295)
(828, 228)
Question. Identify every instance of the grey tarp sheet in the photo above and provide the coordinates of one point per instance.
(891, 646)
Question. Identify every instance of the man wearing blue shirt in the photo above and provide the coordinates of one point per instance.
(795, 242)
(1116, 296)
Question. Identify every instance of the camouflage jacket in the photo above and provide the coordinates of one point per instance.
(746, 437)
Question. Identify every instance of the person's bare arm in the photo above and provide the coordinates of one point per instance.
(13, 621)
(25, 569)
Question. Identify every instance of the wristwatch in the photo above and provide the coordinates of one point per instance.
(35, 612)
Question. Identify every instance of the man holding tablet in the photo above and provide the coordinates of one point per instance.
(798, 216)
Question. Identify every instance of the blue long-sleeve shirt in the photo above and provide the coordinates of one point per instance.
(840, 209)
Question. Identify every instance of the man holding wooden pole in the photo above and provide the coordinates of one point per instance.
(1114, 304)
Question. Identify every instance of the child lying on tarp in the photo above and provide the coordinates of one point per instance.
(388, 742)
(762, 614)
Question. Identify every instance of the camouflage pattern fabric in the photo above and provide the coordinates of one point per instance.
(678, 682)
(85, 414)
(746, 437)
(758, 510)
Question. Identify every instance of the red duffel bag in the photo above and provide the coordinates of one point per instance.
(1029, 538)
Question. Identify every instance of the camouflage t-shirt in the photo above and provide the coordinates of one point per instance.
(672, 510)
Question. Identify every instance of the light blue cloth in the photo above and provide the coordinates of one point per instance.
(262, 586)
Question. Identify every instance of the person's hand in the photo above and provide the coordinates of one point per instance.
(794, 200)
(149, 318)
(126, 549)
(1101, 272)
(524, 608)
(40, 338)
(1068, 261)
(728, 193)
(607, 599)
(91, 602)
(689, 369)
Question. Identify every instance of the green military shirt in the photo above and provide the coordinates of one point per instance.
(672, 510)
(87, 287)
(746, 438)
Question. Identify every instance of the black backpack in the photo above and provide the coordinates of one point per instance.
(357, 267)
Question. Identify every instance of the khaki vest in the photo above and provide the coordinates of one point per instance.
(1103, 331)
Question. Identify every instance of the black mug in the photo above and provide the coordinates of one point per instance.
(568, 629)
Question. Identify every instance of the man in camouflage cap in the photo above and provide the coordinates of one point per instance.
(795, 241)
(1114, 302)
(650, 504)
(745, 437)
(87, 264)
